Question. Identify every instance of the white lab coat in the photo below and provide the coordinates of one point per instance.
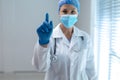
(74, 59)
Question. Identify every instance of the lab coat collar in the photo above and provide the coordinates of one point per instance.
(57, 33)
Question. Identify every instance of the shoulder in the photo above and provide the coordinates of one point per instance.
(83, 33)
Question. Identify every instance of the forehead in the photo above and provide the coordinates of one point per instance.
(68, 7)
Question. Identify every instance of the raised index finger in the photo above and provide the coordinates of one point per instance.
(47, 17)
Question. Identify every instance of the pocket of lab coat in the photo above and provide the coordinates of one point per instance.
(78, 46)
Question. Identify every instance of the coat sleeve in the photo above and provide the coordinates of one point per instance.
(90, 65)
(41, 58)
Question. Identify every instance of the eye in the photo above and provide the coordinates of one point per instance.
(73, 12)
(64, 11)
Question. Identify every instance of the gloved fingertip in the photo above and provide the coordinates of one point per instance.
(51, 24)
(47, 17)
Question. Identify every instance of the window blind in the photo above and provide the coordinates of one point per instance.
(107, 38)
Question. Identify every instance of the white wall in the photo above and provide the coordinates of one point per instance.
(84, 22)
(19, 20)
(1, 60)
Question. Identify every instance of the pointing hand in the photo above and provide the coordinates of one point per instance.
(45, 30)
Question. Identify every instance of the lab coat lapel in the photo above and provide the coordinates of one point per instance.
(76, 41)
(73, 42)
(65, 41)
(57, 33)
(76, 34)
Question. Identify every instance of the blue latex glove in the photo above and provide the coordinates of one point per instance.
(44, 31)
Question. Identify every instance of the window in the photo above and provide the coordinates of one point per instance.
(107, 38)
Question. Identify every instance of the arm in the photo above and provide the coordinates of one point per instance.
(41, 58)
(90, 65)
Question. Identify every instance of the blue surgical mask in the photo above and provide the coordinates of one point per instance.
(68, 20)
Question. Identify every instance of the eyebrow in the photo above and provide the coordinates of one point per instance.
(71, 9)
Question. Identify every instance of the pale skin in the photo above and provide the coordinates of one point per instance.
(64, 10)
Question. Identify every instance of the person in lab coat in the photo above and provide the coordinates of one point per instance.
(64, 53)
